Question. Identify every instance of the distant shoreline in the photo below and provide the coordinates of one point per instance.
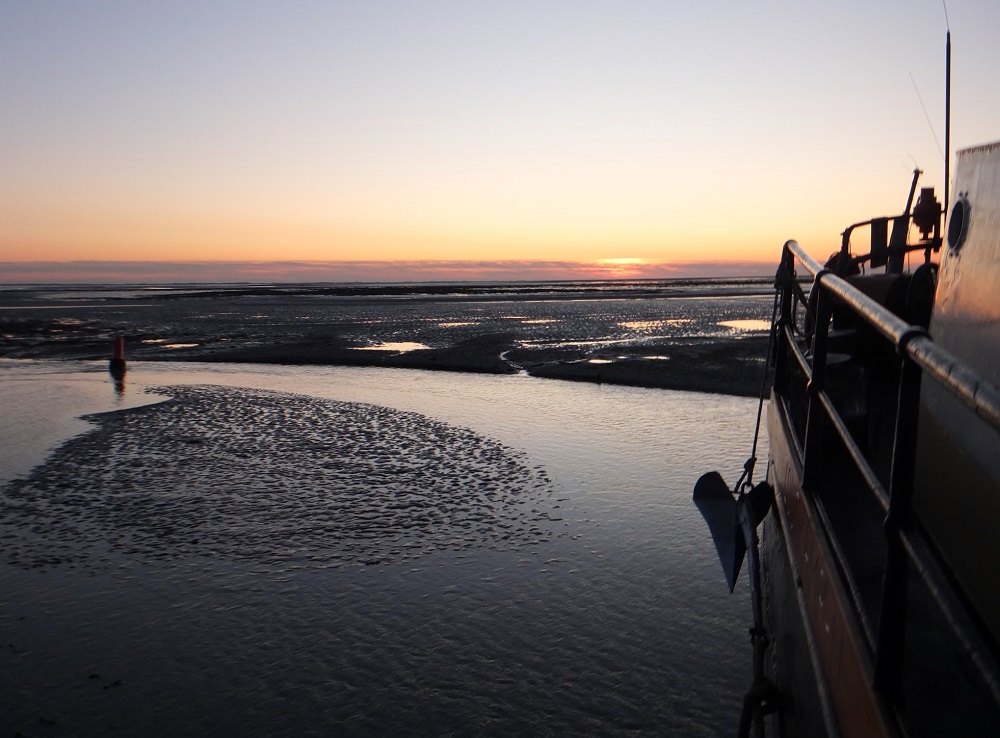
(644, 333)
(21, 295)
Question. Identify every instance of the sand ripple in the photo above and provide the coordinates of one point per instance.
(272, 477)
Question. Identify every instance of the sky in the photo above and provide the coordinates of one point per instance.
(370, 140)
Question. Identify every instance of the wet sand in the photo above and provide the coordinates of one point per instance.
(726, 366)
(646, 338)
(239, 474)
(731, 366)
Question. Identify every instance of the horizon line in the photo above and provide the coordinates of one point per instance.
(86, 271)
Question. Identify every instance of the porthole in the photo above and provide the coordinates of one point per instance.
(958, 223)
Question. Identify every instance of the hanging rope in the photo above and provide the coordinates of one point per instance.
(745, 481)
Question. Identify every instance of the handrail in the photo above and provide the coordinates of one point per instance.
(920, 356)
(978, 395)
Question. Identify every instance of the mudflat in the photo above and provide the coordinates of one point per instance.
(706, 337)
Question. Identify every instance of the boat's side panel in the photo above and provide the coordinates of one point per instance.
(957, 481)
(793, 664)
(839, 646)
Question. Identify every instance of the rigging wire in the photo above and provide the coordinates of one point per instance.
(746, 479)
(926, 115)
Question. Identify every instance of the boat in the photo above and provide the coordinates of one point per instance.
(872, 543)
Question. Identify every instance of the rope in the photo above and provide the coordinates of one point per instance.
(746, 479)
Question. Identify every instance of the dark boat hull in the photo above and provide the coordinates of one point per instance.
(807, 612)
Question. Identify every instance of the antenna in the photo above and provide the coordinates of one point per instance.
(947, 119)
(947, 112)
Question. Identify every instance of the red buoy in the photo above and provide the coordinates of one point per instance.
(117, 365)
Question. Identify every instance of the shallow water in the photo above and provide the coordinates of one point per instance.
(611, 616)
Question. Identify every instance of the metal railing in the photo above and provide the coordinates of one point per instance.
(907, 548)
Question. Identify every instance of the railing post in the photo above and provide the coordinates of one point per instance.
(783, 281)
(892, 617)
(815, 417)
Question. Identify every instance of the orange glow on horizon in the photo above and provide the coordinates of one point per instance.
(623, 267)
(290, 271)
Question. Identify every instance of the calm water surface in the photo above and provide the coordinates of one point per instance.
(616, 622)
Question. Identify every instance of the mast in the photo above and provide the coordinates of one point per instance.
(947, 121)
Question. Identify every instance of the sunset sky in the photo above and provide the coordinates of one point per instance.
(473, 140)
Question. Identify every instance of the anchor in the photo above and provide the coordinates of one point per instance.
(732, 518)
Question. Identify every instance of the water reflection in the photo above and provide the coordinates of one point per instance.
(401, 346)
(651, 325)
(747, 324)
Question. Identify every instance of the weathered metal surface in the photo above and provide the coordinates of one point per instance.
(957, 484)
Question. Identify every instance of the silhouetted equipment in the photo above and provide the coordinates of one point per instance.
(926, 213)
